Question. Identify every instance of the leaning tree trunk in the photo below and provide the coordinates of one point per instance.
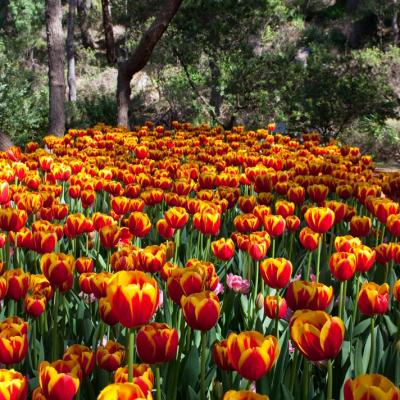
(83, 7)
(138, 60)
(108, 32)
(55, 46)
(71, 78)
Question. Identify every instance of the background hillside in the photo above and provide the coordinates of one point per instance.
(331, 65)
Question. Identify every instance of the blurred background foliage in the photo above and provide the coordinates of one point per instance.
(332, 65)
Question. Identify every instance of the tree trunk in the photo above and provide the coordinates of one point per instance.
(71, 51)
(215, 98)
(55, 46)
(395, 23)
(83, 7)
(137, 61)
(108, 32)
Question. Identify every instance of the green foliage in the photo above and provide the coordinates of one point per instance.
(23, 104)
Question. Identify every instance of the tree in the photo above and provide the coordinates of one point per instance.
(71, 51)
(83, 7)
(108, 32)
(138, 60)
(56, 61)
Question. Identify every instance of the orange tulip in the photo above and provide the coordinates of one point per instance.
(316, 334)
(270, 303)
(243, 395)
(220, 355)
(201, 310)
(122, 391)
(176, 217)
(342, 265)
(13, 346)
(365, 258)
(111, 356)
(319, 219)
(59, 380)
(18, 283)
(142, 376)
(35, 305)
(274, 225)
(13, 385)
(152, 258)
(57, 267)
(373, 298)
(371, 387)
(252, 354)
(157, 343)
(360, 226)
(139, 224)
(81, 355)
(308, 295)
(223, 249)
(134, 296)
(12, 219)
(164, 229)
(276, 272)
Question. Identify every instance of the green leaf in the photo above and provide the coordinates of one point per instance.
(191, 369)
(362, 327)
(366, 354)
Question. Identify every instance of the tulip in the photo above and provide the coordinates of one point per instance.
(18, 283)
(35, 305)
(13, 385)
(276, 272)
(393, 224)
(107, 314)
(252, 354)
(319, 219)
(360, 226)
(365, 258)
(309, 239)
(201, 310)
(292, 223)
(373, 299)
(318, 193)
(139, 224)
(76, 225)
(59, 380)
(152, 258)
(82, 355)
(270, 309)
(371, 387)
(342, 265)
(220, 355)
(274, 225)
(13, 346)
(142, 376)
(284, 208)
(57, 267)
(110, 236)
(122, 391)
(246, 223)
(243, 395)
(111, 356)
(316, 334)
(258, 246)
(296, 194)
(346, 243)
(164, 229)
(120, 205)
(308, 295)
(44, 242)
(12, 219)
(157, 343)
(84, 264)
(223, 249)
(176, 217)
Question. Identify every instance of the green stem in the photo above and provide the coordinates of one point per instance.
(177, 240)
(277, 316)
(255, 291)
(273, 247)
(291, 245)
(203, 366)
(307, 277)
(355, 308)
(373, 346)
(341, 300)
(330, 381)
(131, 350)
(54, 353)
(319, 259)
(158, 382)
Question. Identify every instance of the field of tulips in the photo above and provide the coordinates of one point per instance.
(197, 263)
